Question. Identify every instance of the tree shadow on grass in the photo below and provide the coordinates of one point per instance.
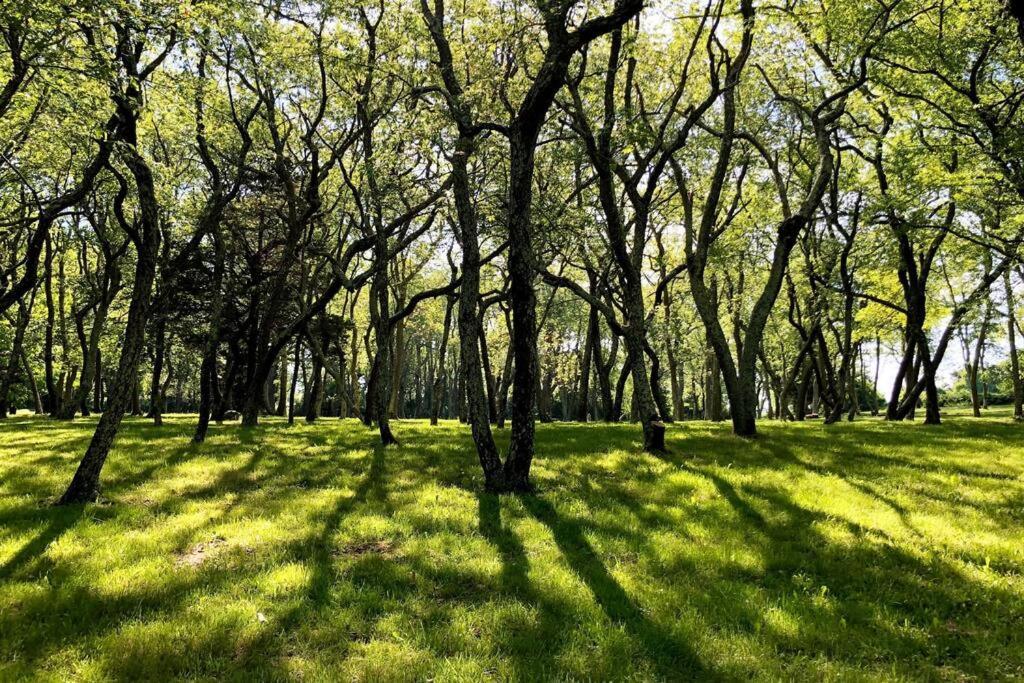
(872, 595)
(319, 551)
(515, 565)
(874, 587)
(60, 520)
(39, 622)
(537, 648)
(673, 659)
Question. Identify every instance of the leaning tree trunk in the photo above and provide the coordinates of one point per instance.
(85, 485)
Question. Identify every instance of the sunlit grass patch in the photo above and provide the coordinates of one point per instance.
(860, 551)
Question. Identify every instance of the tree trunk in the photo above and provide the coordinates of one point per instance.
(874, 383)
(1011, 324)
(295, 379)
(397, 366)
(620, 389)
(85, 484)
(315, 391)
(524, 307)
(441, 374)
(354, 372)
(97, 398)
(979, 350)
(159, 345)
(471, 374)
(14, 356)
(712, 387)
(208, 368)
(380, 315)
(51, 387)
(489, 384)
(664, 409)
(583, 399)
(505, 380)
(603, 368)
(544, 395)
(37, 400)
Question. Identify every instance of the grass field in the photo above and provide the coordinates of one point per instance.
(863, 551)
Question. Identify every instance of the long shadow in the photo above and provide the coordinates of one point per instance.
(901, 511)
(320, 548)
(319, 552)
(673, 659)
(61, 520)
(180, 455)
(870, 581)
(514, 582)
(322, 557)
(236, 480)
(97, 614)
(784, 455)
(728, 491)
(515, 565)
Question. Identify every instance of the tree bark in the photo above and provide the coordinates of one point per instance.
(51, 387)
(583, 399)
(37, 401)
(441, 374)
(1011, 324)
(85, 484)
(14, 356)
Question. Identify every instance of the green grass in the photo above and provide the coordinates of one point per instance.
(863, 551)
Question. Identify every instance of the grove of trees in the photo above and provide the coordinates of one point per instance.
(507, 211)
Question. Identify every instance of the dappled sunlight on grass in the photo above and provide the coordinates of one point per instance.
(857, 550)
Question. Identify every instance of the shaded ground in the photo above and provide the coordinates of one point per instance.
(869, 550)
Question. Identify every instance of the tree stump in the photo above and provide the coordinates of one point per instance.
(657, 434)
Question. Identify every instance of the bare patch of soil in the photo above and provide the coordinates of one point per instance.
(200, 552)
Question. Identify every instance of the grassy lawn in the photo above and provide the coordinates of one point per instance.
(863, 551)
